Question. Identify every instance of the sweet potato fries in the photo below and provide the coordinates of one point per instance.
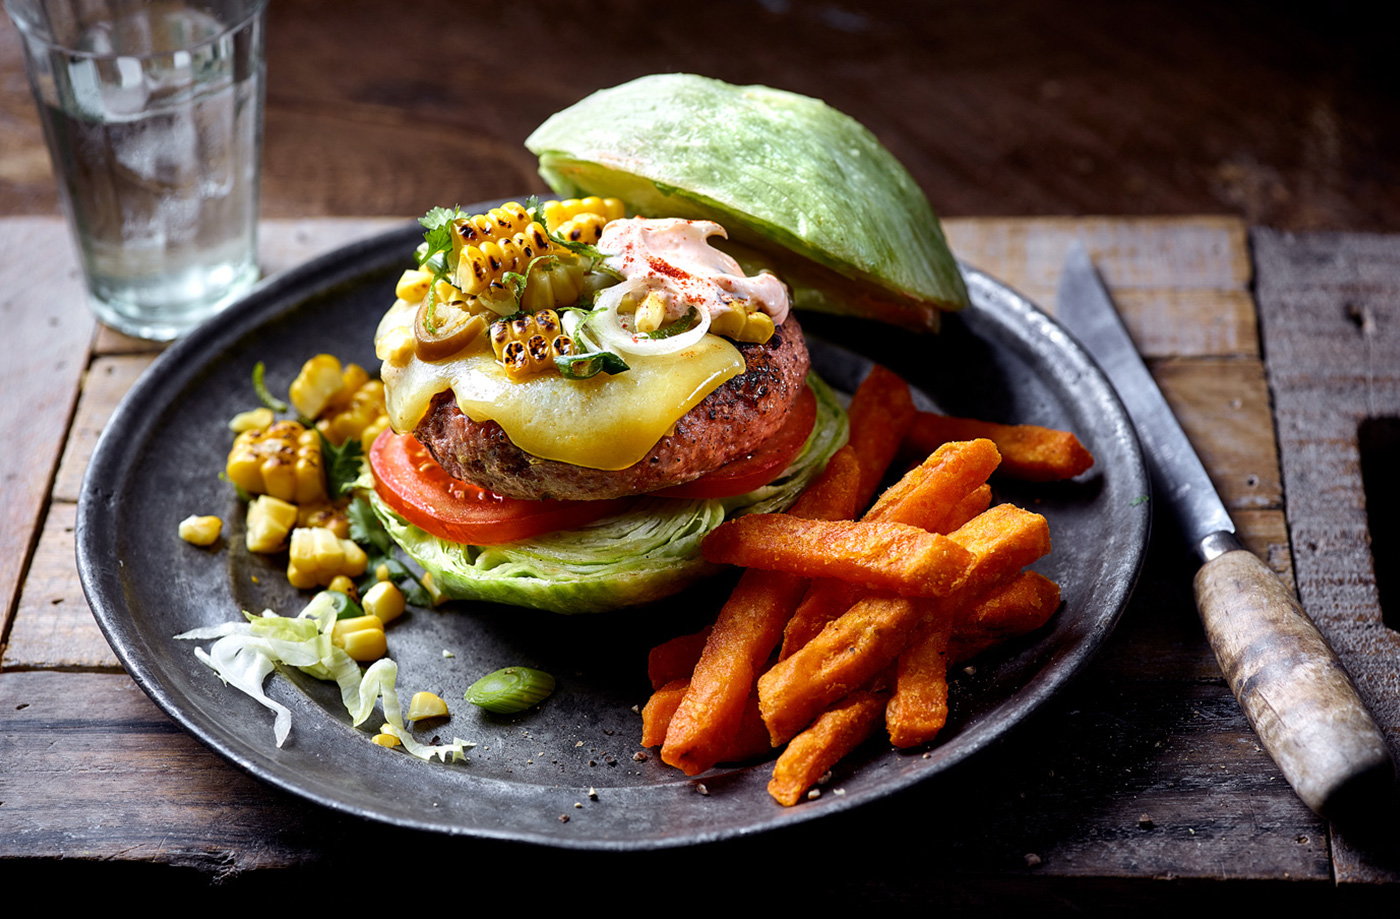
(868, 611)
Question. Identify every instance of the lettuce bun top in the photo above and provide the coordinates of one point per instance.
(823, 202)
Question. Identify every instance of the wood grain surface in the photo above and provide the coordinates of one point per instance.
(1143, 769)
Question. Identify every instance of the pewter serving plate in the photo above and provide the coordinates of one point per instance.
(160, 460)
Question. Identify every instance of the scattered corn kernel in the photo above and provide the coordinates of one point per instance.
(384, 600)
(317, 383)
(269, 521)
(426, 705)
(253, 420)
(201, 531)
(413, 285)
(381, 572)
(361, 637)
(386, 740)
(343, 584)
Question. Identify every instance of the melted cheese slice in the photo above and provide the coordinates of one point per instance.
(607, 422)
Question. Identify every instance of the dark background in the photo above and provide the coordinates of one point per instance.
(1283, 113)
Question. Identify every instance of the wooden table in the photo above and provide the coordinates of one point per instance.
(1141, 784)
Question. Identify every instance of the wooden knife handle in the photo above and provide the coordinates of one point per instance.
(1291, 686)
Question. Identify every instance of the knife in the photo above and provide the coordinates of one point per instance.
(1294, 691)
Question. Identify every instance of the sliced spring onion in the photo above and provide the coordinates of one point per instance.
(510, 690)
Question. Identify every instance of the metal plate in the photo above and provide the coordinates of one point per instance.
(160, 458)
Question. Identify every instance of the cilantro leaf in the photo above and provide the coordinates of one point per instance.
(366, 529)
(342, 464)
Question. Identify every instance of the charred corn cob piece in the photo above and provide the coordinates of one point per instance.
(558, 213)
(318, 556)
(553, 285)
(282, 460)
(528, 345)
(498, 223)
(324, 514)
(482, 267)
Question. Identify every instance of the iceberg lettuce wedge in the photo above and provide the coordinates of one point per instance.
(780, 171)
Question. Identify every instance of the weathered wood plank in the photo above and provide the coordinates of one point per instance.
(53, 625)
(1180, 283)
(1330, 306)
(105, 385)
(48, 331)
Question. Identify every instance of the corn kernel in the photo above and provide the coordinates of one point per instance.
(426, 705)
(395, 346)
(361, 637)
(253, 420)
(386, 740)
(384, 600)
(413, 285)
(435, 594)
(269, 521)
(201, 531)
(342, 584)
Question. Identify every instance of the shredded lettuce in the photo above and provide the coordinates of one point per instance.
(245, 653)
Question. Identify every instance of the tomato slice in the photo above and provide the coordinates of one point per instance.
(756, 469)
(420, 491)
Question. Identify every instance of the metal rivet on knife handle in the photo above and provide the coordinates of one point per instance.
(1291, 686)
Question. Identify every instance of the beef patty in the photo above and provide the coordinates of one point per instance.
(743, 412)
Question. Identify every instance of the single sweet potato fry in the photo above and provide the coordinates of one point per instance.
(1028, 451)
(1018, 607)
(835, 493)
(657, 713)
(875, 554)
(881, 412)
(1002, 540)
(813, 752)
(928, 493)
(918, 708)
(675, 659)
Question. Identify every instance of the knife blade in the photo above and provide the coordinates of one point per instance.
(1293, 689)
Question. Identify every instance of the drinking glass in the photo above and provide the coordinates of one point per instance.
(153, 116)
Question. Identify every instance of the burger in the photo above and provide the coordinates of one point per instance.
(581, 390)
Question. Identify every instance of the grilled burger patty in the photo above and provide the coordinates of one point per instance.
(743, 412)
